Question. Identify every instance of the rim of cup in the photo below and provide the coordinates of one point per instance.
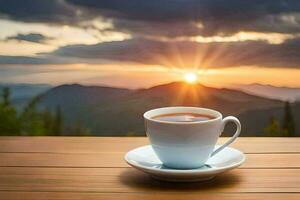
(168, 110)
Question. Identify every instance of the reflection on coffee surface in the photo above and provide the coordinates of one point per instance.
(183, 117)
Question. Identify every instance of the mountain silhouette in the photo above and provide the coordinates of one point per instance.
(116, 111)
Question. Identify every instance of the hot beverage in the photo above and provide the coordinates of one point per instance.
(183, 117)
(186, 137)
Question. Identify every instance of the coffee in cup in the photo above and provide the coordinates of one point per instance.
(185, 137)
(183, 117)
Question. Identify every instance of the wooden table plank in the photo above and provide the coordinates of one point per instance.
(129, 180)
(93, 168)
(117, 160)
(123, 144)
(139, 196)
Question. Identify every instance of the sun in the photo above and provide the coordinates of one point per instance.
(190, 77)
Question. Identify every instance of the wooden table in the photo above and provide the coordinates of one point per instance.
(92, 168)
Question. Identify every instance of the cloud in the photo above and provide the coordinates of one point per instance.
(187, 53)
(26, 60)
(165, 18)
(31, 37)
(215, 16)
(157, 26)
(180, 54)
(50, 11)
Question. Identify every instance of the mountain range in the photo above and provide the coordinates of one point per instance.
(108, 111)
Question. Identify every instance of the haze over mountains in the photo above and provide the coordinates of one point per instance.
(23, 93)
(269, 91)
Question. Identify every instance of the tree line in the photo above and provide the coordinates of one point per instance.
(284, 129)
(31, 121)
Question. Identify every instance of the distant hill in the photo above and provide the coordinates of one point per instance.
(116, 111)
(78, 96)
(79, 102)
(269, 91)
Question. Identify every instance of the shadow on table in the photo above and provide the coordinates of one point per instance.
(139, 180)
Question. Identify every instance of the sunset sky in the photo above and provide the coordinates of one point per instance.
(139, 43)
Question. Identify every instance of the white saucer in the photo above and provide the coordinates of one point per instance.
(144, 159)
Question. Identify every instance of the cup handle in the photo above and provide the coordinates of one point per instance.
(236, 134)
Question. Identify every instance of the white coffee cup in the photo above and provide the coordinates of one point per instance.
(187, 145)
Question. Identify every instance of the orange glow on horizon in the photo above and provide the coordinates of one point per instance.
(137, 76)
